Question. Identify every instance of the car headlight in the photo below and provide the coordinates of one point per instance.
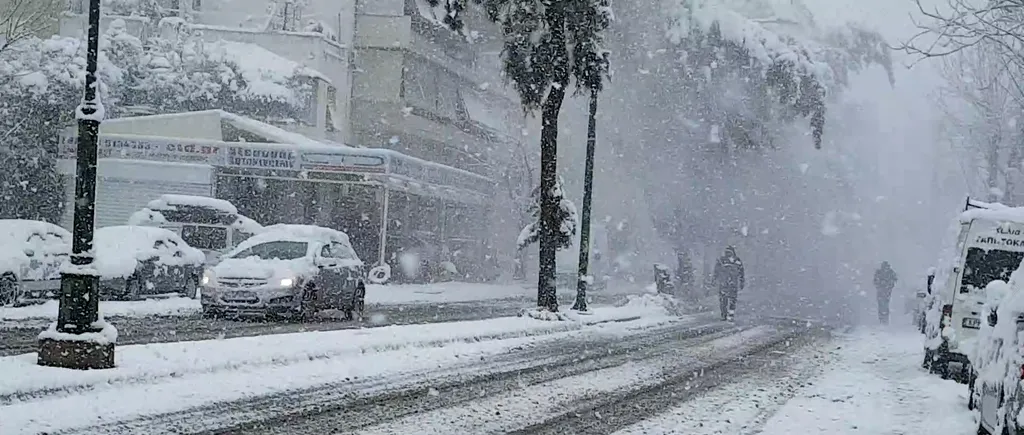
(287, 282)
(207, 277)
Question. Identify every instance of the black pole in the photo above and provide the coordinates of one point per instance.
(79, 294)
(588, 196)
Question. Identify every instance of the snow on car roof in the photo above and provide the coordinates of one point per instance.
(998, 212)
(168, 201)
(119, 248)
(20, 229)
(293, 232)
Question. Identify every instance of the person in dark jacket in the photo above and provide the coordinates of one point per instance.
(885, 280)
(730, 280)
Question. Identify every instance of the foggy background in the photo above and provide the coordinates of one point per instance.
(812, 225)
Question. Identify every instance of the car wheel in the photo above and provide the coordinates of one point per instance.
(9, 289)
(307, 306)
(358, 304)
(191, 288)
(971, 405)
(132, 289)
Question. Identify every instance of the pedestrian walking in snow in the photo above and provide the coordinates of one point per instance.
(730, 280)
(885, 280)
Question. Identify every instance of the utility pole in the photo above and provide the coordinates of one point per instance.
(582, 278)
(80, 339)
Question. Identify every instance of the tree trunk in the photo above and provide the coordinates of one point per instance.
(549, 225)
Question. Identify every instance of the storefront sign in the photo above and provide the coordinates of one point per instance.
(338, 162)
(146, 148)
(260, 158)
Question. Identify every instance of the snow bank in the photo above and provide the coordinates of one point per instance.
(172, 306)
(139, 363)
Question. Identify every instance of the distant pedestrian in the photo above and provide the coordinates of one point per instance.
(885, 281)
(730, 279)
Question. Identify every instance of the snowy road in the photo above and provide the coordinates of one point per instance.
(594, 384)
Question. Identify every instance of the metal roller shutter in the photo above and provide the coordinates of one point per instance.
(123, 187)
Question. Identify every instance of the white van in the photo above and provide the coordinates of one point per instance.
(209, 224)
(990, 247)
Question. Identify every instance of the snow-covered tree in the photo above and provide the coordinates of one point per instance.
(42, 83)
(548, 46)
(748, 81)
(981, 106)
(566, 215)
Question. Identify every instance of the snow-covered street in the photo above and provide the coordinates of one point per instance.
(866, 383)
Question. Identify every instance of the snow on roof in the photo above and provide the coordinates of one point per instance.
(119, 248)
(169, 201)
(761, 43)
(292, 232)
(265, 73)
(1001, 213)
(272, 133)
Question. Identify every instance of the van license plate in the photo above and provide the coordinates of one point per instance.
(972, 323)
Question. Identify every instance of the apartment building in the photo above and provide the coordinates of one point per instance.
(390, 75)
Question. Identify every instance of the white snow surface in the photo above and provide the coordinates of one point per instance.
(106, 333)
(169, 201)
(440, 293)
(266, 74)
(192, 374)
(877, 386)
(16, 238)
(292, 233)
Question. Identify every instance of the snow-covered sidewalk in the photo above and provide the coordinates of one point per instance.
(185, 375)
(440, 293)
(877, 386)
(867, 383)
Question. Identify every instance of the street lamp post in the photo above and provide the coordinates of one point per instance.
(80, 339)
(582, 278)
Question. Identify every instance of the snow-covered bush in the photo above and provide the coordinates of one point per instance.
(566, 217)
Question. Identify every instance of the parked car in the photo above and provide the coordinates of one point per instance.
(136, 261)
(31, 255)
(989, 247)
(208, 224)
(998, 361)
(287, 271)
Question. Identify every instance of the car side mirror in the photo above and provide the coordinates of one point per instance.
(323, 261)
(30, 253)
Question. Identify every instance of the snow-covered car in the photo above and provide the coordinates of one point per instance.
(998, 360)
(136, 261)
(287, 271)
(208, 224)
(31, 255)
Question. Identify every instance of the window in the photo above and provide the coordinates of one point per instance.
(275, 251)
(983, 267)
(197, 5)
(207, 238)
(332, 101)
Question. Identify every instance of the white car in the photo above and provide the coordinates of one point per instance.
(135, 261)
(998, 361)
(31, 255)
(287, 271)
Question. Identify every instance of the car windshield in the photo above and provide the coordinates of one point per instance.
(280, 250)
(204, 237)
(984, 266)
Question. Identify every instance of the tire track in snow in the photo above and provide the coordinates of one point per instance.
(611, 412)
(378, 399)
